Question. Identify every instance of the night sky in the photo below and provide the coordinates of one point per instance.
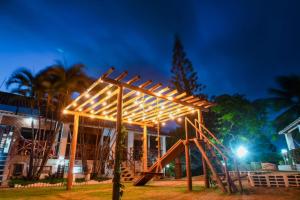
(235, 46)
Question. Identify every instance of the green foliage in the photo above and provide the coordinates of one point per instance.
(238, 120)
(285, 99)
(184, 78)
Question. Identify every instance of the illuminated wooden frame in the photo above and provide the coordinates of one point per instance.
(141, 106)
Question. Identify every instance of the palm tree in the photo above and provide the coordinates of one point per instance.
(286, 98)
(53, 88)
(60, 83)
(28, 85)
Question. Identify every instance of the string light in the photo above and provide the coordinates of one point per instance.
(138, 93)
(64, 111)
(80, 109)
(170, 98)
(104, 112)
(87, 95)
(108, 93)
(92, 111)
(179, 119)
(163, 124)
(162, 107)
(92, 102)
(104, 103)
(74, 104)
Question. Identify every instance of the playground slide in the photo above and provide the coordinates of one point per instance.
(169, 156)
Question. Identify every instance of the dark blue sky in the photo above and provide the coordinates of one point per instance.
(235, 46)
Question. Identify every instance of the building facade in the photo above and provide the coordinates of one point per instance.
(95, 146)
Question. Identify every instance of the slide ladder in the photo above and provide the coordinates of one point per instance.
(154, 170)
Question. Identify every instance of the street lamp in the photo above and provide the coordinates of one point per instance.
(241, 152)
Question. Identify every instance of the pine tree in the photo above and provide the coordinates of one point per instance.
(184, 78)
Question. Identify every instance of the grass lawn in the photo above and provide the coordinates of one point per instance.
(152, 191)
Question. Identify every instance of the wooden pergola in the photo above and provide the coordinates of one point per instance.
(146, 104)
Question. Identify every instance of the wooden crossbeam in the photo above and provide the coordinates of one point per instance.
(124, 96)
(149, 104)
(104, 118)
(161, 96)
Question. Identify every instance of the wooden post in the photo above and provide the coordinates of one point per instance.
(158, 141)
(213, 170)
(145, 149)
(238, 175)
(204, 165)
(117, 169)
(187, 159)
(73, 152)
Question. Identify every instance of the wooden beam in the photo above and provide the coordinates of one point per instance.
(145, 149)
(134, 79)
(204, 164)
(121, 76)
(94, 97)
(104, 118)
(148, 92)
(73, 152)
(108, 72)
(213, 170)
(118, 149)
(187, 159)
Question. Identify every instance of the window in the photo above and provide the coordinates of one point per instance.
(18, 169)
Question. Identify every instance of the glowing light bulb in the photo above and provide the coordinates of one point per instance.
(138, 93)
(104, 112)
(104, 103)
(92, 102)
(80, 109)
(179, 119)
(162, 107)
(92, 111)
(87, 95)
(64, 111)
(170, 98)
(163, 124)
(74, 104)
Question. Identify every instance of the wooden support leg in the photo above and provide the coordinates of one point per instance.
(73, 152)
(210, 166)
(117, 170)
(204, 165)
(205, 174)
(238, 175)
(188, 166)
(145, 149)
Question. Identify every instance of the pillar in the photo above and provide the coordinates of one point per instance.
(130, 143)
(289, 141)
(64, 140)
(187, 159)
(145, 149)
(204, 165)
(163, 145)
(117, 164)
(73, 152)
